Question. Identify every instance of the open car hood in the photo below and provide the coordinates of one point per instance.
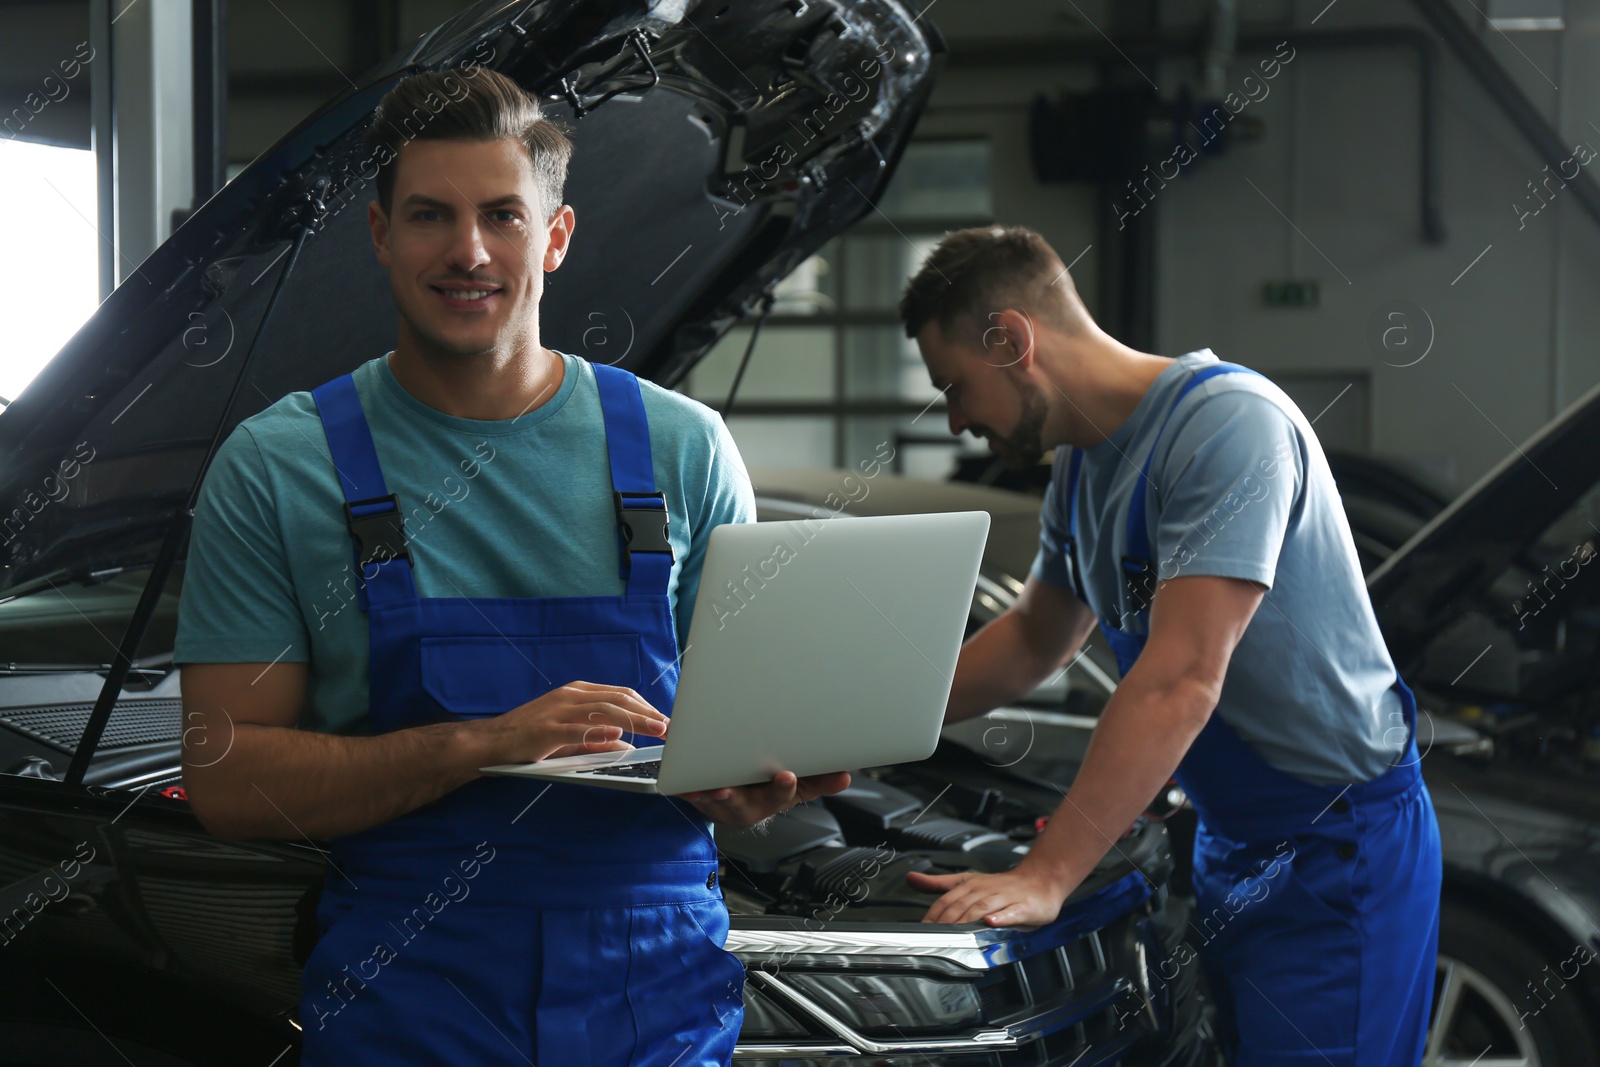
(1430, 580)
(717, 145)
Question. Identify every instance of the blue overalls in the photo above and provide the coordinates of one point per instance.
(1317, 906)
(512, 921)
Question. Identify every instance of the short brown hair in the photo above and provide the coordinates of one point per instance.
(973, 272)
(470, 104)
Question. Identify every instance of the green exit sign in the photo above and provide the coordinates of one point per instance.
(1290, 294)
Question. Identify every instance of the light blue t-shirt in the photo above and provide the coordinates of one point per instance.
(495, 508)
(1240, 488)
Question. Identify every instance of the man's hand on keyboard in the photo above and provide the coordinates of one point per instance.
(748, 804)
(574, 719)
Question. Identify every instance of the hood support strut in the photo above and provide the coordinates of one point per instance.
(177, 533)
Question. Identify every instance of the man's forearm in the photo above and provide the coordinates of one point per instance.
(997, 666)
(1142, 736)
(280, 782)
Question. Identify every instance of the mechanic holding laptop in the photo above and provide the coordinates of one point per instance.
(384, 574)
(1191, 513)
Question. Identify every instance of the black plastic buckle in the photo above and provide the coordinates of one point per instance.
(380, 536)
(1139, 579)
(638, 522)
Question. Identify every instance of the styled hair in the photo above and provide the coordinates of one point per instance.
(469, 104)
(975, 272)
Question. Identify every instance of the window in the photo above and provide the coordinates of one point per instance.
(833, 375)
(49, 275)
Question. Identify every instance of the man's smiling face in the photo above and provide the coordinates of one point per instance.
(466, 243)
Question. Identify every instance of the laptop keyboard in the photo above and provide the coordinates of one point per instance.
(643, 769)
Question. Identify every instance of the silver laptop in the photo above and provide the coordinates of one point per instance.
(817, 645)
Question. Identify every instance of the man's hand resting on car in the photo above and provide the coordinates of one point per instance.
(1019, 897)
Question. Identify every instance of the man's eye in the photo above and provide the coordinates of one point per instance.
(418, 216)
(508, 215)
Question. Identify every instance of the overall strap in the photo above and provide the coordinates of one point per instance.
(1074, 466)
(645, 553)
(1138, 571)
(372, 513)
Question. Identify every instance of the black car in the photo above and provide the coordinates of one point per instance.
(1491, 608)
(1490, 605)
(717, 146)
(1385, 504)
(1492, 613)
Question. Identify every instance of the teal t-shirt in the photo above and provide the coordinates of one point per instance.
(495, 508)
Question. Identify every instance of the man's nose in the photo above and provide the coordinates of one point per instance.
(958, 421)
(468, 250)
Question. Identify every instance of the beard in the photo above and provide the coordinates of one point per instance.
(1024, 446)
(432, 343)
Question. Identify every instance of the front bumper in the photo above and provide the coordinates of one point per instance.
(1097, 986)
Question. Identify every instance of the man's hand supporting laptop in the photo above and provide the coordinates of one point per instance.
(281, 781)
(748, 804)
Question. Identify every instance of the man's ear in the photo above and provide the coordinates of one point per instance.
(1008, 339)
(559, 234)
(378, 223)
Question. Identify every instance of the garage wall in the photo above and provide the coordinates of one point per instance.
(1513, 335)
(1513, 338)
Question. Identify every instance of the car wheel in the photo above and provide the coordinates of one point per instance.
(1483, 1011)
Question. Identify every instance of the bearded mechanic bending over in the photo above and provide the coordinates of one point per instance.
(510, 623)
(1191, 513)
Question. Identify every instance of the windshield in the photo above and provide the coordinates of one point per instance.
(79, 624)
(58, 639)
